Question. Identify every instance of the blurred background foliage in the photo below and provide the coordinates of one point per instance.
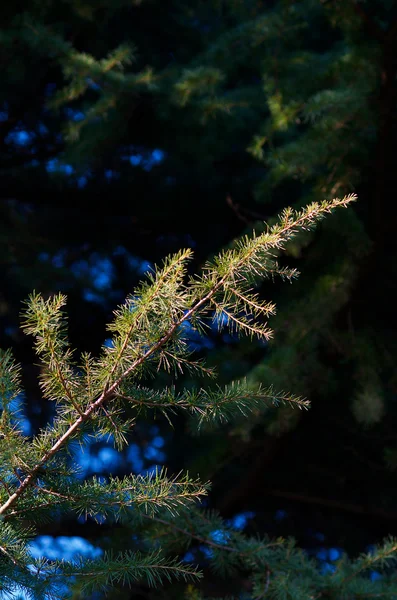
(133, 128)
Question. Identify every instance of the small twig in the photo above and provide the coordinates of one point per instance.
(109, 417)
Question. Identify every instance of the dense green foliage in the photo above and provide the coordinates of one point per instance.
(191, 123)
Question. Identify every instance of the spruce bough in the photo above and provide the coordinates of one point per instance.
(37, 476)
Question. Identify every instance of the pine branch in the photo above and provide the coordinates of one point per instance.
(382, 556)
(48, 578)
(231, 267)
(215, 405)
(44, 321)
(10, 379)
(145, 495)
(126, 569)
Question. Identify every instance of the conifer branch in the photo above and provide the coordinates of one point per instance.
(160, 280)
(192, 535)
(228, 548)
(212, 405)
(145, 495)
(64, 383)
(229, 267)
(381, 556)
(148, 333)
(127, 568)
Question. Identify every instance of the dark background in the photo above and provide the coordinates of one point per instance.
(106, 167)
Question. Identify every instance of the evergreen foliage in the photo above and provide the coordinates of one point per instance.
(38, 477)
(255, 105)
